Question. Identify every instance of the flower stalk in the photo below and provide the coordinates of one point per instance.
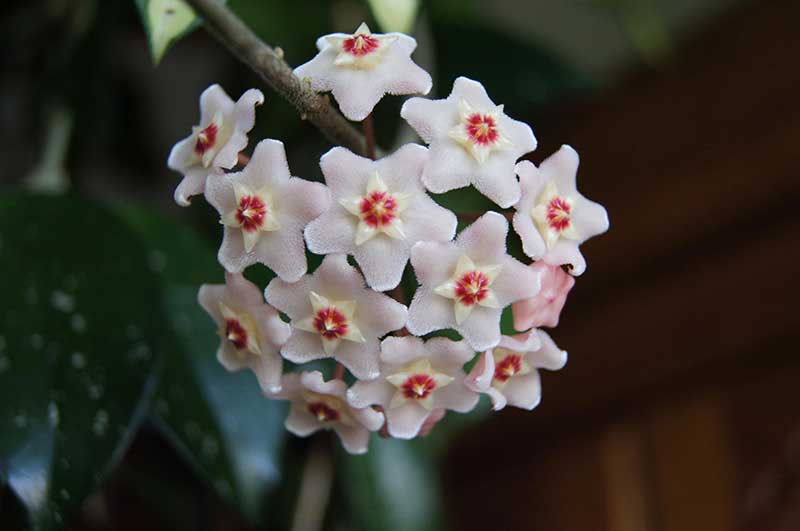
(268, 63)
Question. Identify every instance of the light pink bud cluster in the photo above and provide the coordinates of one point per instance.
(372, 219)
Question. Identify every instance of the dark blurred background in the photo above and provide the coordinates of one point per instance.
(678, 409)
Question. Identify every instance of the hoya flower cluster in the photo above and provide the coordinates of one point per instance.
(375, 222)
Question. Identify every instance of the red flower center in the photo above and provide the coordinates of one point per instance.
(206, 139)
(378, 209)
(482, 129)
(507, 367)
(330, 323)
(251, 212)
(323, 412)
(360, 45)
(236, 333)
(472, 288)
(558, 214)
(418, 386)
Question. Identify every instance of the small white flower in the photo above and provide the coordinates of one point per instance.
(317, 404)
(359, 69)
(251, 331)
(333, 314)
(264, 212)
(465, 284)
(418, 380)
(552, 218)
(215, 144)
(472, 141)
(508, 373)
(379, 211)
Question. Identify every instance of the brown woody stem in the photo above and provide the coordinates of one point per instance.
(338, 372)
(268, 63)
(368, 126)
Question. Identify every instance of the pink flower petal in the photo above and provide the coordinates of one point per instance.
(365, 393)
(404, 422)
(355, 439)
(485, 239)
(456, 397)
(300, 422)
(548, 356)
(448, 354)
(544, 308)
(360, 359)
(524, 391)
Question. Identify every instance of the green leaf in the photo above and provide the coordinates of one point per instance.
(394, 487)
(220, 421)
(79, 326)
(395, 15)
(165, 21)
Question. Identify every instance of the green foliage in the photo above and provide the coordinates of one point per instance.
(80, 325)
(220, 422)
(395, 15)
(394, 487)
(165, 21)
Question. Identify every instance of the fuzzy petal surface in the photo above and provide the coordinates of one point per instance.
(555, 180)
(290, 203)
(357, 89)
(244, 300)
(383, 257)
(198, 157)
(487, 162)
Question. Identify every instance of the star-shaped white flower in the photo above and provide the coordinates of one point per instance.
(472, 141)
(418, 380)
(254, 213)
(379, 211)
(215, 143)
(251, 331)
(264, 212)
(478, 132)
(552, 218)
(465, 284)
(470, 286)
(508, 373)
(360, 68)
(332, 320)
(317, 404)
(333, 314)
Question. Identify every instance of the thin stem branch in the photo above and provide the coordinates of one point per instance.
(269, 64)
(315, 488)
(338, 372)
(368, 125)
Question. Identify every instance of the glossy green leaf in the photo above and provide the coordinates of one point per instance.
(165, 21)
(220, 421)
(80, 322)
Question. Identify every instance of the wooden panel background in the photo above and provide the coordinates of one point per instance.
(678, 409)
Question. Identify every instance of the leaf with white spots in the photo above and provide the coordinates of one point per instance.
(219, 421)
(75, 279)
